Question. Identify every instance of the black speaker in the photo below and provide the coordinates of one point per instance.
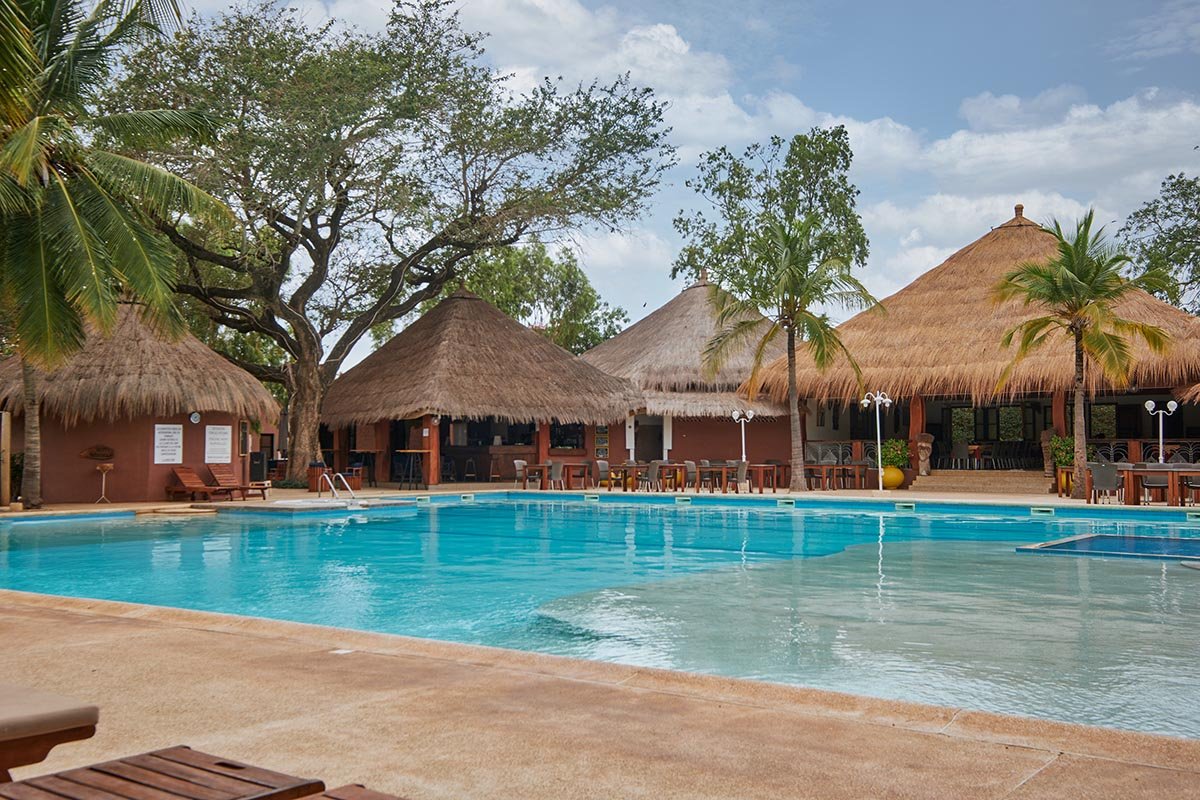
(258, 465)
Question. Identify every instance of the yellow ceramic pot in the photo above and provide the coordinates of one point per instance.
(892, 477)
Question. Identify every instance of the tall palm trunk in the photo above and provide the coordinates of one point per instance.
(799, 484)
(31, 476)
(1079, 490)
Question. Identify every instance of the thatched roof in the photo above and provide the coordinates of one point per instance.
(662, 354)
(135, 372)
(940, 335)
(465, 359)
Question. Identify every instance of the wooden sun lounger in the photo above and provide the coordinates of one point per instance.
(191, 485)
(32, 723)
(178, 773)
(224, 475)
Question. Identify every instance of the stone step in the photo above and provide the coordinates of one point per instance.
(994, 481)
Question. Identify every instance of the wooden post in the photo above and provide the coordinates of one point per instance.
(431, 441)
(1058, 412)
(542, 440)
(916, 426)
(5, 459)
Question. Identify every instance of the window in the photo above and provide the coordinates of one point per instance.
(962, 424)
(566, 437)
(1102, 421)
(1012, 424)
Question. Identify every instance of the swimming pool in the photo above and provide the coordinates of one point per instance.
(933, 606)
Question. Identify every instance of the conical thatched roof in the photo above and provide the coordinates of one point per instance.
(940, 335)
(135, 372)
(465, 359)
(662, 354)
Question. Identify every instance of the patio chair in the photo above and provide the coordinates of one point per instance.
(602, 476)
(740, 475)
(224, 475)
(1191, 487)
(690, 473)
(1106, 481)
(1149, 483)
(191, 485)
(522, 474)
(960, 456)
(556, 475)
(651, 479)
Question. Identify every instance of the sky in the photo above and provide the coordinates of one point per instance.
(956, 110)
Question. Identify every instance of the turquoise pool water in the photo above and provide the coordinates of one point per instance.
(934, 606)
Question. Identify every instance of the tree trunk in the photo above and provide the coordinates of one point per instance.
(1079, 490)
(799, 484)
(31, 476)
(304, 419)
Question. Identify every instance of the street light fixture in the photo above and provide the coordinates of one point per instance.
(1160, 413)
(879, 399)
(742, 417)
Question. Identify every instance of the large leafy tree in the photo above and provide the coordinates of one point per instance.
(1075, 295)
(366, 171)
(807, 176)
(795, 271)
(77, 214)
(547, 291)
(1164, 236)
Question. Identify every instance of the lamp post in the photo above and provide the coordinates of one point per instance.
(1160, 413)
(742, 417)
(879, 399)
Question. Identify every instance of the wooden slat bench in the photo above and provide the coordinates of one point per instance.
(176, 773)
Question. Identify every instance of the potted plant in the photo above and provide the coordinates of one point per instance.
(1062, 450)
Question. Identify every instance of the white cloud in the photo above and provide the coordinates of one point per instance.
(630, 269)
(989, 112)
(1173, 29)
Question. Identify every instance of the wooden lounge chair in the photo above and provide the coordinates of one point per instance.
(33, 722)
(224, 475)
(178, 773)
(191, 485)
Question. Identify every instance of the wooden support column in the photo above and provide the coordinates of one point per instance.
(916, 426)
(431, 441)
(541, 438)
(1058, 412)
(5, 458)
(341, 445)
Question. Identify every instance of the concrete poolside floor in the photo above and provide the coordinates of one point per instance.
(435, 720)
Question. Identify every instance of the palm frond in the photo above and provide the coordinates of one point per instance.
(18, 63)
(152, 189)
(1111, 352)
(83, 260)
(157, 126)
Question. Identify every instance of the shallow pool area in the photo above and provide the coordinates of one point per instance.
(933, 605)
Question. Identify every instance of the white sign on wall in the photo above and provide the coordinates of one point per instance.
(168, 444)
(218, 444)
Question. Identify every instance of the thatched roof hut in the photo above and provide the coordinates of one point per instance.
(465, 359)
(662, 355)
(940, 335)
(136, 372)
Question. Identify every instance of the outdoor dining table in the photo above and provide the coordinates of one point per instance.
(759, 475)
(626, 471)
(570, 470)
(1176, 495)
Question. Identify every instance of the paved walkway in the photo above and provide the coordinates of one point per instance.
(436, 720)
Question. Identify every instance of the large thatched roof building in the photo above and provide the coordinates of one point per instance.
(662, 355)
(940, 335)
(144, 403)
(465, 359)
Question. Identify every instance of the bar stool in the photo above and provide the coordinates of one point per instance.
(104, 469)
(494, 470)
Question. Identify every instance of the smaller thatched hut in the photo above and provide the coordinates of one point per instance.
(684, 412)
(144, 404)
(484, 389)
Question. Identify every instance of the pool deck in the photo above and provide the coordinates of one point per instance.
(437, 720)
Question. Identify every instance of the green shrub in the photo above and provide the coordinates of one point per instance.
(1062, 450)
(290, 483)
(894, 453)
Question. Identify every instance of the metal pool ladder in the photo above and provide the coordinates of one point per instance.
(331, 483)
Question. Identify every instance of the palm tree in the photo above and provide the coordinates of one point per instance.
(797, 267)
(1077, 292)
(77, 218)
